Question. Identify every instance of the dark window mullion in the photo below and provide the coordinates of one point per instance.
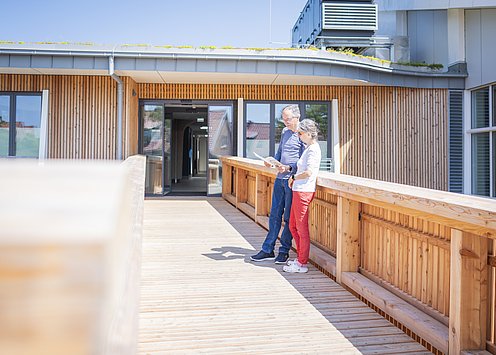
(330, 152)
(12, 126)
(273, 128)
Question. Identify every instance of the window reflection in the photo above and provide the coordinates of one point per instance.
(319, 113)
(257, 130)
(279, 123)
(4, 125)
(28, 121)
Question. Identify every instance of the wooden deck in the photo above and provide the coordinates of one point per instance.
(201, 294)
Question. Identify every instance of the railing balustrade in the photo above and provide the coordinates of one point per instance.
(423, 257)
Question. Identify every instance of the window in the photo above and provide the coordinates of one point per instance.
(257, 129)
(20, 121)
(264, 125)
(483, 138)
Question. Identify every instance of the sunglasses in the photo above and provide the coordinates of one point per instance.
(300, 133)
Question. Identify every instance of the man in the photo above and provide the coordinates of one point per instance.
(288, 153)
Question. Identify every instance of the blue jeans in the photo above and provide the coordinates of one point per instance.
(282, 197)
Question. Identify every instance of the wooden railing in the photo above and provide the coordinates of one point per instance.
(420, 256)
(70, 256)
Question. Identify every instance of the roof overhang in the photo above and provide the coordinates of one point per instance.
(233, 66)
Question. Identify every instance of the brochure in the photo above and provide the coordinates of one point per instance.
(271, 160)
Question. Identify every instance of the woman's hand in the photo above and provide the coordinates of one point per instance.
(291, 181)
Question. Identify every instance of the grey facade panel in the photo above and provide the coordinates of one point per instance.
(428, 32)
(84, 62)
(480, 49)
(322, 69)
(187, 65)
(304, 68)
(4, 60)
(101, 63)
(473, 47)
(207, 65)
(411, 81)
(425, 82)
(42, 61)
(63, 62)
(125, 64)
(488, 32)
(166, 65)
(338, 71)
(226, 66)
(246, 66)
(363, 74)
(20, 61)
(146, 64)
(439, 83)
(286, 68)
(264, 67)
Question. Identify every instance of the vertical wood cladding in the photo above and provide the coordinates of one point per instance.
(82, 113)
(387, 133)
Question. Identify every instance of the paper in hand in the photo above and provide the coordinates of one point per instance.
(270, 160)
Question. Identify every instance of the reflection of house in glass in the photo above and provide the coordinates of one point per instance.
(220, 131)
(256, 130)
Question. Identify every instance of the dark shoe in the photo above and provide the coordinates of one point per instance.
(261, 256)
(281, 258)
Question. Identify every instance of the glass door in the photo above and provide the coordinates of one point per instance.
(156, 146)
(220, 143)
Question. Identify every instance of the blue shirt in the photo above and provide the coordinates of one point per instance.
(289, 151)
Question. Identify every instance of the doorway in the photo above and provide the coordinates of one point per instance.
(182, 143)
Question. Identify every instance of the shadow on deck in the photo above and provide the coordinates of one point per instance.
(201, 293)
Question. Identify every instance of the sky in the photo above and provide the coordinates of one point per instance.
(168, 22)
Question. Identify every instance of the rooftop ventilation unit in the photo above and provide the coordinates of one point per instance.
(349, 16)
(339, 24)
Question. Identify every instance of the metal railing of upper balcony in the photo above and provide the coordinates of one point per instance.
(424, 258)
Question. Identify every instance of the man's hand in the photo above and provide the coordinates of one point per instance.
(268, 165)
(282, 168)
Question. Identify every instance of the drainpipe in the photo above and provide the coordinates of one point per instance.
(120, 92)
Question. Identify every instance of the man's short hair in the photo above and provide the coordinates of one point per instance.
(294, 109)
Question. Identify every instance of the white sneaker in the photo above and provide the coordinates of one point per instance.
(295, 267)
(289, 262)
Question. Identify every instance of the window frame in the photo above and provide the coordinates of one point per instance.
(13, 119)
(490, 129)
(301, 104)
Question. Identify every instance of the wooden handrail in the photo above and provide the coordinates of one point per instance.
(429, 247)
(470, 213)
(70, 247)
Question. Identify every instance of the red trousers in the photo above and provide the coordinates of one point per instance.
(298, 224)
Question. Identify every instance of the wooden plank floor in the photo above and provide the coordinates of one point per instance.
(201, 294)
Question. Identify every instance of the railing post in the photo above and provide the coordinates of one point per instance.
(261, 197)
(468, 292)
(226, 179)
(348, 237)
(241, 186)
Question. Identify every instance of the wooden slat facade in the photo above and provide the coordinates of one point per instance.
(387, 133)
(81, 113)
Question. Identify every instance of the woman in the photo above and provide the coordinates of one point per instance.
(303, 184)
